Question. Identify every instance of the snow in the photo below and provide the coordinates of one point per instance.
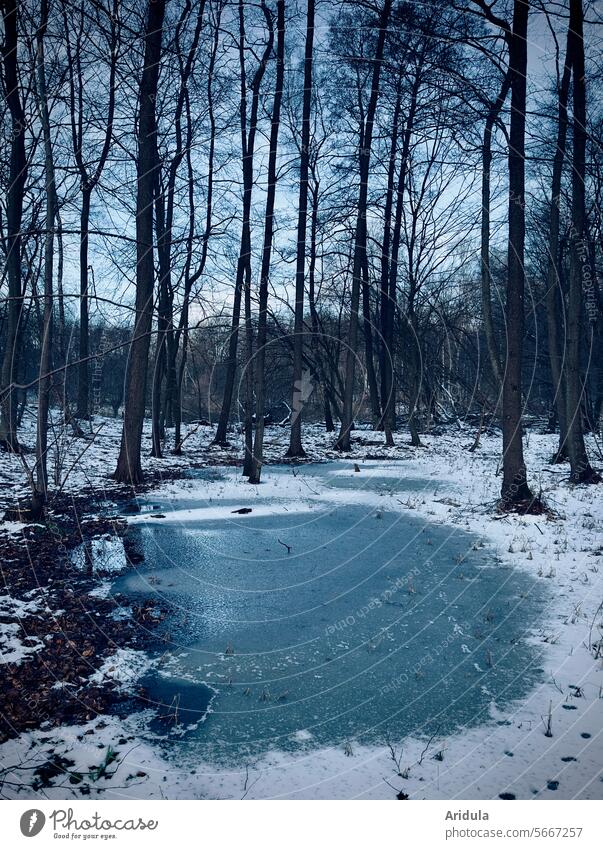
(124, 668)
(106, 555)
(510, 753)
(12, 649)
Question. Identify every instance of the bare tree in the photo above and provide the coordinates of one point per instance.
(45, 367)
(299, 389)
(260, 368)
(486, 272)
(165, 200)
(177, 371)
(581, 470)
(16, 186)
(391, 272)
(360, 234)
(89, 174)
(248, 128)
(387, 303)
(129, 469)
(515, 490)
(554, 293)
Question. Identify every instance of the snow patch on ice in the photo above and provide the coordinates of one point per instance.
(124, 668)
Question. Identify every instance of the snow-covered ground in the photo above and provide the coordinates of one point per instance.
(508, 755)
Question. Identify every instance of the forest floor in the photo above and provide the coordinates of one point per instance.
(70, 661)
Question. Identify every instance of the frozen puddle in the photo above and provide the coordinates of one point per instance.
(373, 625)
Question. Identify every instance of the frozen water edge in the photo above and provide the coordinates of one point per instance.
(482, 762)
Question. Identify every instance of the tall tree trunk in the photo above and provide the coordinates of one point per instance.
(581, 470)
(299, 395)
(129, 468)
(371, 377)
(413, 369)
(14, 214)
(164, 310)
(247, 146)
(360, 236)
(389, 406)
(165, 352)
(317, 342)
(390, 411)
(329, 423)
(554, 295)
(260, 378)
(486, 272)
(515, 490)
(221, 437)
(190, 279)
(386, 352)
(44, 380)
(83, 390)
(249, 371)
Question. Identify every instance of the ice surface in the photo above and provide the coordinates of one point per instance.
(374, 624)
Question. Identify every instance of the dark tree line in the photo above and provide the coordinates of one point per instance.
(236, 210)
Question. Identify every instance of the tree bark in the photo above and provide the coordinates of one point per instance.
(581, 470)
(371, 377)
(389, 409)
(248, 135)
(44, 378)
(249, 371)
(554, 295)
(129, 468)
(387, 422)
(190, 279)
(486, 273)
(364, 155)
(299, 390)
(83, 391)
(413, 368)
(317, 342)
(14, 213)
(260, 377)
(164, 373)
(515, 490)
(164, 318)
